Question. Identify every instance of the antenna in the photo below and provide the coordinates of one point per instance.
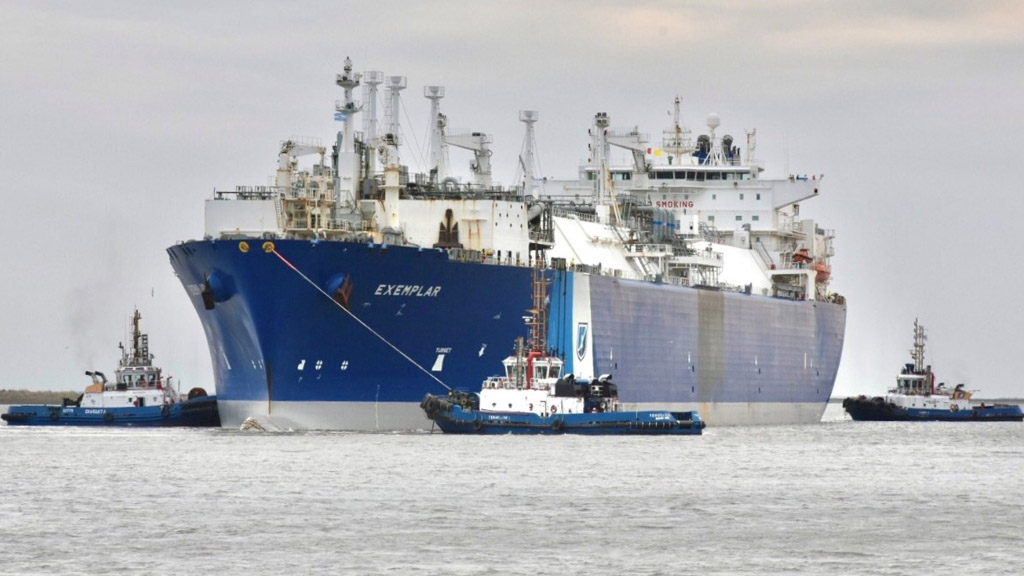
(438, 122)
(347, 80)
(528, 159)
(395, 84)
(371, 80)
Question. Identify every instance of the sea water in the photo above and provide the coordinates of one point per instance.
(839, 497)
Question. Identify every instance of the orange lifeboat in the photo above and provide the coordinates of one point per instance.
(823, 271)
(802, 256)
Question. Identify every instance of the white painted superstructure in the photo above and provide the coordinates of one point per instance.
(689, 213)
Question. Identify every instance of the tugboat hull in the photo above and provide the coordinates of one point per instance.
(454, 418)
(197, 412)
(878, 410)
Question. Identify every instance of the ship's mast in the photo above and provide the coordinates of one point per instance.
(605, 202)
(438, 152)
(139, 354)
(392, 140)
(345, 173)
(371, 80)
(751, 146)
(676, 140)
(601, 150)
(528, 159)
(392, 136)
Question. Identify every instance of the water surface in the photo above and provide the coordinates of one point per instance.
(836, 497)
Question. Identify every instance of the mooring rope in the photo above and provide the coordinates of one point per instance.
(356, 318)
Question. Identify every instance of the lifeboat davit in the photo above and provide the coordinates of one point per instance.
(823, 271)
(801, 255)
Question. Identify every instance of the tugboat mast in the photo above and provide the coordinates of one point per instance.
(139, 354)
(917, 353)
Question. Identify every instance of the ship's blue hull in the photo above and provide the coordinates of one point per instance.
(281, 348)
(198, 412)
(455, 419)
(877, 410)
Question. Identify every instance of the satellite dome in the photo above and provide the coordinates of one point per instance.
(713, 121)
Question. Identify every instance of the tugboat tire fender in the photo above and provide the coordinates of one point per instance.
(54, 415)
(557, 425)
(165, 410)
(478, 425)
(108, 417)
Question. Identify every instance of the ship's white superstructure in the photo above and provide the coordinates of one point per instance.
(683, 213)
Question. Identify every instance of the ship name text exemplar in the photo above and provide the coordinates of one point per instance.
(403, 290)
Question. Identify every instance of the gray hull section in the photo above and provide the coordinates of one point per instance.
(736, 358)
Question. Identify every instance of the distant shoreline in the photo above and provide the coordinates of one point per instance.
(36, 396)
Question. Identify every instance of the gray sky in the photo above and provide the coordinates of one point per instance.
(118, 119)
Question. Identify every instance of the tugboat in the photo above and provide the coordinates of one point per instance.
(533, 397)
(917, 398)
(138, 396)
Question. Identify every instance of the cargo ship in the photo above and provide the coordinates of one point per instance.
(341, 293)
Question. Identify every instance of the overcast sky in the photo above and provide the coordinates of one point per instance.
(118, 119)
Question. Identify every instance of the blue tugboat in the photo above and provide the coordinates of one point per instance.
(917, 398)
(138, 396)
(533, 397)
